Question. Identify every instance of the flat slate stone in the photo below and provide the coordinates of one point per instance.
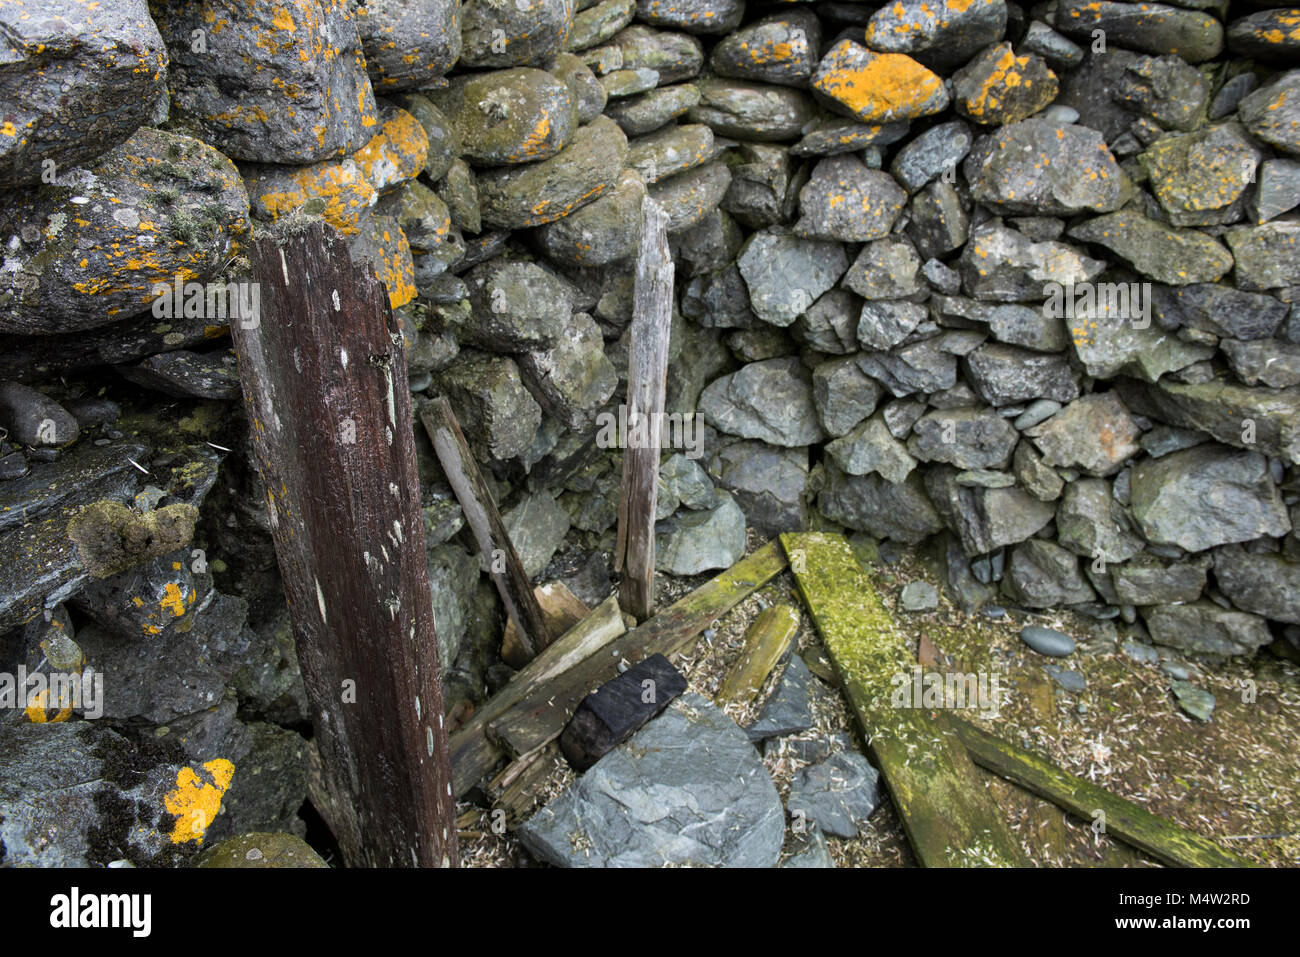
(687, 789)
(789, 710)
(837, 795)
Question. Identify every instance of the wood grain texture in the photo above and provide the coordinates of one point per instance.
(507, 571)
(766, 641)
(647, 369)
(324, 384)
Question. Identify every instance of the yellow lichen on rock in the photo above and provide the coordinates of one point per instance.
(196, 800)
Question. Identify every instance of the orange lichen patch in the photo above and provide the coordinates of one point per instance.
(389, 254)
(196, 799)
(879, 86)
(988, 102)
(339, 192)
(396, 153)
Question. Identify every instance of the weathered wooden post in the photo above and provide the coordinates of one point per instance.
(647, 368)
(485, 521)
(324, 383)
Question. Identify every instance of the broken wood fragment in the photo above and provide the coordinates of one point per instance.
(481, 513)
(561, 608)
(1157, 836)
(531, 723)
(948, 815)
(647, 368)
(473, 754)
(613, 712)
(323, 375)
(766, 642)
(514, 789)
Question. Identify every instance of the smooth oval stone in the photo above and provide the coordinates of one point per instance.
(1047, 641)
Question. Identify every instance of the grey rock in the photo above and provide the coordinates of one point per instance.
(586, 90)
(693, 16)
(1048, 641)
(809, 851)
(870, 503)
(497, 116)
(1068, 680)
(1012, 323)
(646, 113)
(1197, 702)
(919, 596)
(674, 56)
(1279, 189)
(846, 201)
(596, 23)
(938, 149)
(789, 709)
(985, 519)
(516, 307)
(77, 83)
(1267, 362)
(1270, 113)
(185, 374)
(770, 400)
(912, 91)
(1038, 478)
(1004, 265)
(1262, 584)
(883, 324)
(941, 37)
(785, 275)
(683, 481)
(1147, 580)
(752, 111)
(697, 541)
(1166, 89)
(967, 438)
(688, 788)
(1143, 654)
(782, 49)
(885, 269)
(398, 37)
(1201, 178)
(1005, 375)
(602, 232)
(499, 417)
(918, 367)
(937, 220)
(996, 87)
(33, 418)
(515, 34)
(1202, 628)
(1265, 255)
(768, 483)
(843, 394)
(688, 197)
(871, 448)
(1038, 167)
(1050, 45)
(1166, 254)
(1151, 27)
(1089, 522)
(669, 151)
(837, 795)
(1094, 432)
(1206, 496)
(1038, 411)
(1219, 310)
(1042, 574)
(833, 135)
(316, 107)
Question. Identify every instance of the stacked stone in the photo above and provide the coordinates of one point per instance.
(887, 225)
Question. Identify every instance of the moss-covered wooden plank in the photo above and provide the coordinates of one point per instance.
(950, 818)
(1159, 837)
(541, 717)
(766, 641)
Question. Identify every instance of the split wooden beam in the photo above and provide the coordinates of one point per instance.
(766, 642)
(473, 754)
(1161, 838)
(949, 817)
(534, 707)
(323, 375)
(647, 369)
(540, 718)
(532, 631)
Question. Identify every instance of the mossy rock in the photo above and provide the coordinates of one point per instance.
(261, 850)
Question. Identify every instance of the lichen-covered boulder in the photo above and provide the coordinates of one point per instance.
(271, 83)
(76, 79)
(512, 116)
(517, 33)
(408, 43)
(101, 243)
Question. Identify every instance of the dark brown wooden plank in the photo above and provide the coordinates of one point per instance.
(481, 513)
(473, 755)
(647, 368)
(539, 718)
(324, 385)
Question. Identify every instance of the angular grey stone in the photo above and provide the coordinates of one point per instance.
(883, 324)
(1265, 255)
(1166, 254)
(498, 415)
(646, 113)
(690, 196)
(918, 367)
(847, 202)
(1219, 310)
(967, 438)
(1094, 433)
(675, 56)
(1197, 702)
(1267, 585)
(785, 275)
(1272, 113)
(768, 483)
(1042, 574)
(996, 87)
(1150, 27)
(789, 709)
(1268, 362)
(919, 596)
(1203, 628)
(499, 35)
(938, 149)
(1039, 167)
(1201, 178)
(696, 541)
(885, 269)
(985, 519)
(1005, 375)
(1039, 479)
(1113, 338)
(837, 795)
(758, 112)
(1206, 496)
(688, 788)
(1279, 189)
(517, 306)
(770, 400)
(1167, 89)
(941, 36)
(869, 503)
(1012, 323)
(810, 851)
(1089, 522)
(1004, 265)
(537, 527)
(843, 394)
(781, 48)
(871, 448)
(1066, 679)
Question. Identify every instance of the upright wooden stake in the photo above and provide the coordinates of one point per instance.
(481, 513)
(324, 382)
(647, 367)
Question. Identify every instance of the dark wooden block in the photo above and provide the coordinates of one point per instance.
(613, 712)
